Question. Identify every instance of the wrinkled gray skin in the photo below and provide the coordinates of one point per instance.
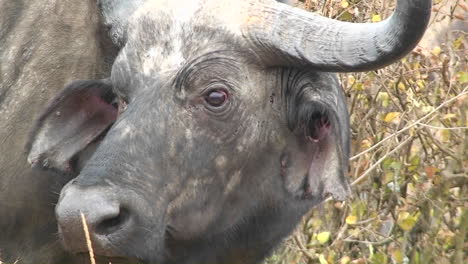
(160, 175)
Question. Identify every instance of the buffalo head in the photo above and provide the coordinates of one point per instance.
(218, 128)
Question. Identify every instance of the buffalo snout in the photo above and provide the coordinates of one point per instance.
(106, 219)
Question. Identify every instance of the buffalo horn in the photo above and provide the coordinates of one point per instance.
(286, 35)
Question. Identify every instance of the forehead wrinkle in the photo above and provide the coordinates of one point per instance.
(201, 63)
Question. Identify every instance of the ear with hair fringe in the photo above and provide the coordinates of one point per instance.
(72, 122)
(315, 161)
(313, 118)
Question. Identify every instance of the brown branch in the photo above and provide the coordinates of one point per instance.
(411, 125)
(377, 243)
(303, 249)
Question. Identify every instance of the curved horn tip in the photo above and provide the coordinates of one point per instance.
(293, 36)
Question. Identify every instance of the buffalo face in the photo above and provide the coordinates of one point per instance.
(200, 151)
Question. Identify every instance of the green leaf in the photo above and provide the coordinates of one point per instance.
(387, 163)
(458, 42)
(414, 161)
(416, 259)
(463, 77)
(379, 258)
(396, 165)
(346, 16)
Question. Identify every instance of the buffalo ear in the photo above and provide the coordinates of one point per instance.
(315, 162)
(71, 124)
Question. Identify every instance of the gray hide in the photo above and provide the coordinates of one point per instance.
(43, 46)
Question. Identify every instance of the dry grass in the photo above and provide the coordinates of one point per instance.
(88, 239)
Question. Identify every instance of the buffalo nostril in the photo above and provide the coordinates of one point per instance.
(111, 224)
(106, 218)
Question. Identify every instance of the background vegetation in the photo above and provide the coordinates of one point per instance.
(409, 162)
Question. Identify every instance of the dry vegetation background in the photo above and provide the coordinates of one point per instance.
(409, 153)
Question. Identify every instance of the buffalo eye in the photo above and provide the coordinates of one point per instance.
(216, 97)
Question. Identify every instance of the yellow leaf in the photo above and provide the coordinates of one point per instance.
(322, 259)
(401, 86)
(376, 18)
(344, 4)
(406, 221)
(351, 220)
(403, 214)
(351, 79)
(397, 256)
(407, 224)
(436, 51)
(384, 98)
(323, 237)
(365, 144)
(411, 190)
(358, 87)
(391, 116)
(345, 260)
(449, 116)
(421, 84)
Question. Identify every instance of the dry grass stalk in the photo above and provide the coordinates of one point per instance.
(88, 239)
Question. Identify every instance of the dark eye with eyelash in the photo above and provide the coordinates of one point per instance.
(216, 97)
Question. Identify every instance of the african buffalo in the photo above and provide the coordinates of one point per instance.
(217, 128)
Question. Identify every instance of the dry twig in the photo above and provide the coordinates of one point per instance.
(88, 239)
